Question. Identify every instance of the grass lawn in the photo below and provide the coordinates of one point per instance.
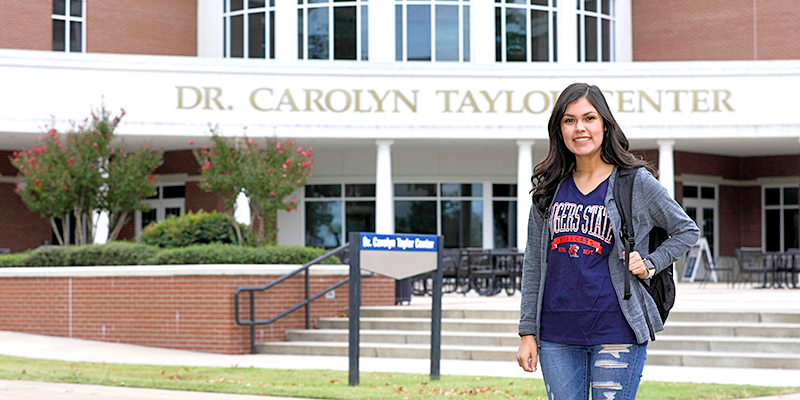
(332, 384)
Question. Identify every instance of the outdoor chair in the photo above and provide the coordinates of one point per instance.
(791, 267)
(482, 277)
(752, 261)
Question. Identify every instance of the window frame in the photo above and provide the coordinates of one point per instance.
(781, 206)
(433, 3)
(68, 19)
(343, 198)
(269, 8)
(612, 18)
(699, 202)
(160, 205)
(552, 15)
(304, 6)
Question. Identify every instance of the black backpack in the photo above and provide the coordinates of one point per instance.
(662, 284)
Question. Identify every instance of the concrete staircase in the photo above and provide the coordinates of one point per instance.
(700, 339)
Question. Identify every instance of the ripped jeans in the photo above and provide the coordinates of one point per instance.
(609, 371)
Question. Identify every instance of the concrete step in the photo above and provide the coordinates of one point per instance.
(675, 316)
(747, 329)
(489, 353)
(663, 342)
(424, 324)
(750, 329)
(401, 312)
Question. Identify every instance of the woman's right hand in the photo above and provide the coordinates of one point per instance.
(527, 356)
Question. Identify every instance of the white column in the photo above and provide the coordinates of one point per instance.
(623, 31)
(483, 32)
(666, 165)
(101, 228)
(209, 28)
(488, 217)
(286, 30)
(524, 186)
(384, 189)
(567, 32)
(381, 32)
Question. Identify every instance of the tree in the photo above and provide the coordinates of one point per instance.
(266, 175)
(84, 174)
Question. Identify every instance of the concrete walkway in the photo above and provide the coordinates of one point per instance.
(714, 298)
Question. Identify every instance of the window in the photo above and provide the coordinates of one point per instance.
(525, 30)
(69, 17)
(461, 206)
(435, 30)
(504, 215)
(701, 205)
(780, 218)
(248, 28)
(326, 206)
(333, 30)
(596, 30)
(169, 200)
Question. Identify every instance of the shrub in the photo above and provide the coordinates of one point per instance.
(13, 260)
(114, 253)
(232, 254)
(190, 229)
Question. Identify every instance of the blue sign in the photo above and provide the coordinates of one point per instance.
(374, 241)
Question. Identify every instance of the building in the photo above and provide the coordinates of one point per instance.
(425, 116)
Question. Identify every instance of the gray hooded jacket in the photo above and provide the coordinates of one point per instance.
(652, 206)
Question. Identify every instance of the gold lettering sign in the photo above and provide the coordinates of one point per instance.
(342, 100)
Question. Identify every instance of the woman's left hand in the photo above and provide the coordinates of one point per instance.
(637, 265)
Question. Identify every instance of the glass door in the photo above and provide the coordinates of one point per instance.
(700, 203)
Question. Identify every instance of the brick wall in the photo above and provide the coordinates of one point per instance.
(730, 220)
(683, 30)
(179, 162)
(750, 213)
(21, 228)
(181, 312)
(142, 27)
(26, 24)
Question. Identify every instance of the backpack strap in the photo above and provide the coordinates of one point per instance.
(623, 196)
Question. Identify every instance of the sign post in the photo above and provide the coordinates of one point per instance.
(355, 308)
(398, 257)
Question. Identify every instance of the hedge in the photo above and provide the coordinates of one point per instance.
(125, 253)
(232, 254)
(193, 228)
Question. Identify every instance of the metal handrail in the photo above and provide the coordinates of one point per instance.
(252, 323)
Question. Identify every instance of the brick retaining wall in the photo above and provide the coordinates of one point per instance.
(183, 310)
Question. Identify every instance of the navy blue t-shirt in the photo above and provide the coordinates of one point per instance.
(580, 306)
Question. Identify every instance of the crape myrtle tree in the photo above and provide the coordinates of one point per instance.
(266, 175)
(83, 174)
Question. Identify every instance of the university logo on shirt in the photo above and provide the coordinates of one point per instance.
(578, 224)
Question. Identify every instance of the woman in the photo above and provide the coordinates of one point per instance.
(590, 339)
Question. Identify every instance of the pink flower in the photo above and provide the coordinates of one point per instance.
(272, 194)
(95, 145)
(278, 146)
(191, 142)
(299, 181)
(70, 160)
(229, 172)
(207, 165)
(293, 201)
(299, 149)
(310, 175)
(41, 138)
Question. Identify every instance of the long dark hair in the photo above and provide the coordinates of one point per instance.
(560, 162)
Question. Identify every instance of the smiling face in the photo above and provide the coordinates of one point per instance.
(582, 128)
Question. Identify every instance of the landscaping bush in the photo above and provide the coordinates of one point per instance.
(191, 228)
(232, 254)
(126, 253)
(13, 260)
(114, 253)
